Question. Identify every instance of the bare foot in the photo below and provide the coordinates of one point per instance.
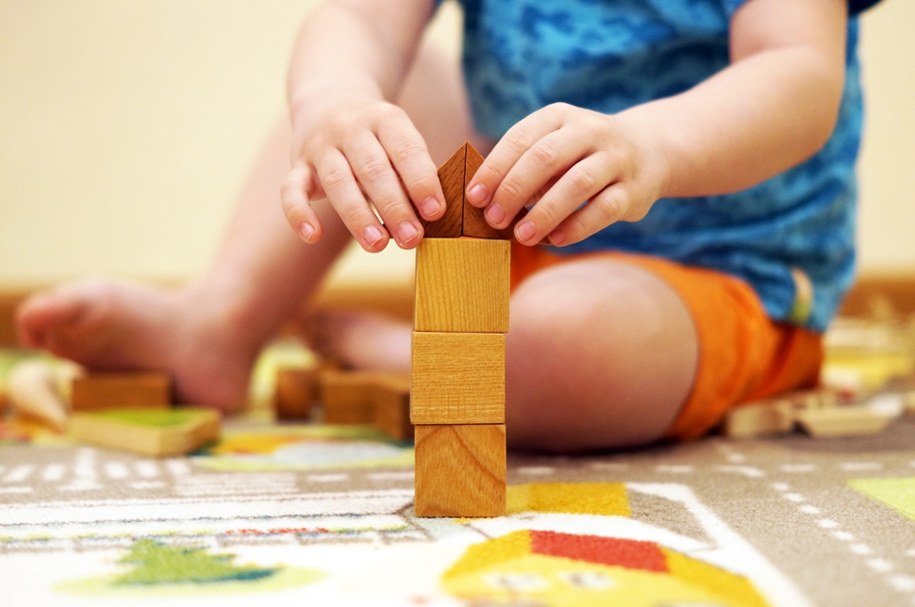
(361, 340)
(115, 325)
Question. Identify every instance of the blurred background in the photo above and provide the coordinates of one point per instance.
(128, 128)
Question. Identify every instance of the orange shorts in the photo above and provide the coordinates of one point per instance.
(743, 355)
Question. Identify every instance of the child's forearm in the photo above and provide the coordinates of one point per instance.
(350, 48)
(772, 108)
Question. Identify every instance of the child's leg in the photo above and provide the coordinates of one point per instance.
(207, 333)
(601, 354)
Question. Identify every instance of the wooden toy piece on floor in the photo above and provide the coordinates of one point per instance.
(460, 470)
(850, 420)
(295, 393)
(33, 392)
(150, 432)
(462, 285)
(105, 390)
(346, 396)
(458, 378)
(759, 419)
(391, 403)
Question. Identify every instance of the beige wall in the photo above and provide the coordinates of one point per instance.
(128, 128)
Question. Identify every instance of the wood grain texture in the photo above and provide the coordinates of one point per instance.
(295, 393)
(94, 391)
(458, 378)
(462, 285)
(156, 433)
(451, 176)
(460, 470)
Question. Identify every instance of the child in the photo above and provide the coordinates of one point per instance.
(691, 162)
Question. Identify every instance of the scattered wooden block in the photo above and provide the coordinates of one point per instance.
(759, 419)
(94, 391)
(151, 432)
(852, 420)
(347, 396)
(458, 378)
(462, 285)
(391, 401)
(451, 176)
(33, 392)
(460, 470)
(295, 393)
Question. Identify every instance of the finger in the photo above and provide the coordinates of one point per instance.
(297, 205)
(507, 151)
(381, 185)
(418, 173)
(339, 183)
(546, 160)
(604, 209)
(577, 185)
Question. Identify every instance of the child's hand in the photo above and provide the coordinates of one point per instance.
(363, 154)
(560, 157)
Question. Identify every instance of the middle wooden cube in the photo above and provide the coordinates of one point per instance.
(458, 378)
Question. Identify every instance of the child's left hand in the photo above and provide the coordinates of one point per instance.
(577, 171)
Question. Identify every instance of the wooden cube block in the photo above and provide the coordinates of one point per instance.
(347, 396)
(94, 391)
(152, 432)
(391, 401)
(460, 470)
(462, 285)
(458, 378)
(295, 392)
(852, 420)
(451, 176)
(759, 419)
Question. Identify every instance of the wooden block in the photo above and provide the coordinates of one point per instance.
(295, 393)
(458, 378)
(462, 285)
(151, 432)
(391, 400)
(95, 391)
(460, 470)
(841, 421)
(451, 176)
(759, 419)
(347, 396)
(474, 223)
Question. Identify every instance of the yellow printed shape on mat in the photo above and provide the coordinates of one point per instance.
(897, 493)
(507, 569)
(605, 499)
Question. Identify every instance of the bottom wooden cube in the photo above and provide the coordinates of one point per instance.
(460, 470)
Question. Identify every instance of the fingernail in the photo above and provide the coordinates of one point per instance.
(306, 231)
(525, 231)
(478, 194)
(495, 215)
(406, 232)
(430, 207)
(371, 235)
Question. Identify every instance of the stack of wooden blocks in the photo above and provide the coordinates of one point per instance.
(457, 400)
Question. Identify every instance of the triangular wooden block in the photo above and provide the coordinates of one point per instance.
(462, 218)
(451, 175)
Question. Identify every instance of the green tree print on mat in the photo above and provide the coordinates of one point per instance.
(156, 563)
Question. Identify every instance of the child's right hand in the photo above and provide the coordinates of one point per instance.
(362, 154)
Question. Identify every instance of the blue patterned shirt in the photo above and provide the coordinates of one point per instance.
(521, 55)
